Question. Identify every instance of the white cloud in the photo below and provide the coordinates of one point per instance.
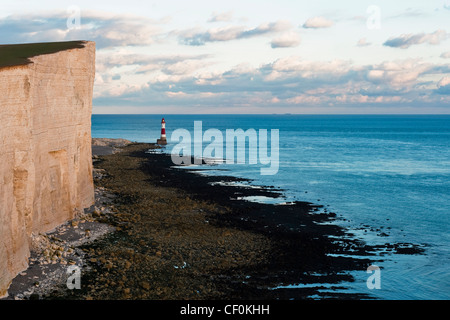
(445, 55)
(107, 30)
(297, 67)
(318, 22)
(363, 43)
(288, 82)
(123, 72)
(286, 40)
(171, 64)
(196, 37)
(444, 86)
(398, 74)
(409, 13)
(185, 67)
(406, 40)
(221, 17)
(445, 81)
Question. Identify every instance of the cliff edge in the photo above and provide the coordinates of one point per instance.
(45, 135)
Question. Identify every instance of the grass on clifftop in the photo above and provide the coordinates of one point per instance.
(18, 54)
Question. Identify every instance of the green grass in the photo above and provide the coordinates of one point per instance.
(19, 54)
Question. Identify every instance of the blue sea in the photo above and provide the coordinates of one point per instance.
(387, 177)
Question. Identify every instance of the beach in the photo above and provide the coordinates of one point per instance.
(167, 233)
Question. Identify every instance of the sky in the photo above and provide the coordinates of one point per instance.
(248, 56)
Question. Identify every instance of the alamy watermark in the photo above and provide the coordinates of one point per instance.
(374, 280)
(373, 21)
(446, 4)
(258, 151)
(73, 22)
(74, 278)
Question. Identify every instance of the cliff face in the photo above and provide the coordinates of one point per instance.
(45, 156)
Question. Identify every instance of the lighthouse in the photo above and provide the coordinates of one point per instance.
(162, 140)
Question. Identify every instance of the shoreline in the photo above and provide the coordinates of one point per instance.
(176, 235)
(52, 252)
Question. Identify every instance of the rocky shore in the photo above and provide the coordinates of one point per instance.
(164, 233)
(53, 252)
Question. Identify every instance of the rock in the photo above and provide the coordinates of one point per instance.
(107, 142)
(45, 161)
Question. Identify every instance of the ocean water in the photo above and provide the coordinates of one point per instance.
(386, 173)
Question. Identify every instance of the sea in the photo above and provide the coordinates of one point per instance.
(387, 177)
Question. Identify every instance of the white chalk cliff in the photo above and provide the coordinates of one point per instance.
(45, 155)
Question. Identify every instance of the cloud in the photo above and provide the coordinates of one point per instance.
(318, 22)
(126, 74)
(400, 74)
(445, 81)
(406, 40)
(409, 13)
(221, 17)
(297, 68)
(242, 85)
(121, 58)
(286, 82)
(363, 43)
(444, 86)
(286, 40)
(185, 67)
(106, 30)
(194, 37)
(445, 55)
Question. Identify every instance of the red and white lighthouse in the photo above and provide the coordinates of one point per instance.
(163, 139)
